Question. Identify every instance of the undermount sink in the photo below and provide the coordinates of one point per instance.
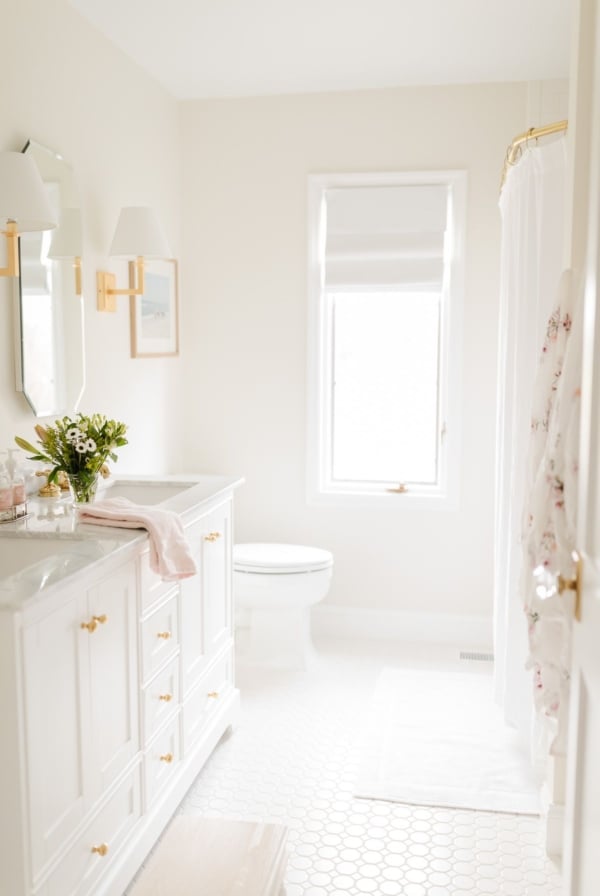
(44, 558)
(142, 491)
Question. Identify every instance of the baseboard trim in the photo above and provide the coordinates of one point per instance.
(553, 815)
(403, 625)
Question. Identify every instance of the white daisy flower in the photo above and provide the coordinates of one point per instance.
(90, 445)
(74, 434)
(80, 447)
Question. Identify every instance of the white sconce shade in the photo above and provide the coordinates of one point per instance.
(24, 205)
(139, 233)
(23, 197)
(67, 240)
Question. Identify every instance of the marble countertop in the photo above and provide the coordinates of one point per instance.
(50, 544)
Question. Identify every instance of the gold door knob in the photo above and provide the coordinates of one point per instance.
(216, 535)
(100, 850)
(209, 537)
(164, 635)
(214, 694)
(92, 625)
(166, 757)
(166, 697)
(573, 584)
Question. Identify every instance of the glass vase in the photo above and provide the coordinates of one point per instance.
(83, 487)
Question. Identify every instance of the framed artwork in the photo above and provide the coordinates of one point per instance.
(154, 316)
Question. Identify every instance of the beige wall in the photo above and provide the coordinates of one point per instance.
(245, 165)
(68, 88)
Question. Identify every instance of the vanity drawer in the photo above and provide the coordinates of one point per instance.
(152, 587)
(205, 699)
(160, 636)
(161, 760)
(100, 842)
(160, 699)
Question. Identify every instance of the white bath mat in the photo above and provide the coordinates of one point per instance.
(438, 739)
(214, 857)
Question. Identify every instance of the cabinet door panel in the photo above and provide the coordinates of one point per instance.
(192, 612)
(217, 580)
(206, 597)
(55, 669)
(113, 675)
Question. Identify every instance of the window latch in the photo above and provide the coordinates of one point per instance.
(399, 489)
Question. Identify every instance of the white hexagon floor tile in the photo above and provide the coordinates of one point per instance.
(293, 760)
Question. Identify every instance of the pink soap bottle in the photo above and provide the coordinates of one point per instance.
(6, 493)
(17, 479)
(18, 489)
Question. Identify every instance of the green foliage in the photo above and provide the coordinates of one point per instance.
(79, 446)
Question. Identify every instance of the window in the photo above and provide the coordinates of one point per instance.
(385, 282)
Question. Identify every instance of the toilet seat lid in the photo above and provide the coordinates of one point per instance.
(279, 558)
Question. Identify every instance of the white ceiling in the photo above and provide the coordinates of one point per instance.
(216, 48)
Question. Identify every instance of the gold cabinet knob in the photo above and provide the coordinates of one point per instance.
(212, 536)
(100, 850)
(166, 697)
(166, 757)
(213, 694)
(92, 625)
(164, 635)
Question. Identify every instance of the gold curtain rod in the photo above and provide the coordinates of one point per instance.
(515, 150)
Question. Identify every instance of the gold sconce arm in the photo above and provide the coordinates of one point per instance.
(106, 288)
(77, 268)
(12, 251)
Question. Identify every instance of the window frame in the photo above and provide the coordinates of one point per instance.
(320, 489)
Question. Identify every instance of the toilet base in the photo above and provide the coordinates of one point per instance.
(280, 639)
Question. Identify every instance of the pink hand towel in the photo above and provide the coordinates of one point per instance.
(170, 555)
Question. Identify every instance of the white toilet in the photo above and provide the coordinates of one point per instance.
(274, 586)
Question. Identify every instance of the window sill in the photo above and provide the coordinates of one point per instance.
(410, 501)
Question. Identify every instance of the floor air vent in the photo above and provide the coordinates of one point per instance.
(470, 655)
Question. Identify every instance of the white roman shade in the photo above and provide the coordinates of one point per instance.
(388, 236)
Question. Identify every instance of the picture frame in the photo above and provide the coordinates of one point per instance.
(154, 316)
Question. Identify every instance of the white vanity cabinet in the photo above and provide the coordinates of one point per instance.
(114, 689)
(80, 707)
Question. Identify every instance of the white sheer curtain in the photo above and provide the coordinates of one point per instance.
(532, 209)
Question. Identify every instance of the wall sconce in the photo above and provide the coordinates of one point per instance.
(24, 204)
(139, 235)
(67, 241)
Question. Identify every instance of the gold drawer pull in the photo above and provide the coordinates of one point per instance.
(214, 694)
(100, 850)
(164, 635)
(166, 757)
(92, 625)
(166, 697)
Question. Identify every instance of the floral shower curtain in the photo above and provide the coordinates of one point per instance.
(550, 520)
(532, 210)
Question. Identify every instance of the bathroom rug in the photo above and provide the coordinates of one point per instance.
(436, 738)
